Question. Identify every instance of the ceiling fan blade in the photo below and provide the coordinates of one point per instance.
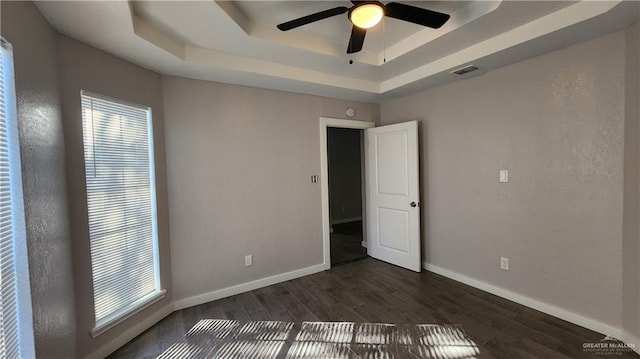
(416, 15)
(312, 18)
(357, 40)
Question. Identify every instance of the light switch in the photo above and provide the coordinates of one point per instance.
(504, 176)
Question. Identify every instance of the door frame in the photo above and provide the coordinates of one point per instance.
(325, 123)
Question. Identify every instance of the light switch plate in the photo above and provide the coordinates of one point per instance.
(504, 263)
(504, 176)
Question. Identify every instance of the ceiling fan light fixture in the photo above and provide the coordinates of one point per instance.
(366, 15)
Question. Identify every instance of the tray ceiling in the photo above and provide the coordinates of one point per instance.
(237, 41)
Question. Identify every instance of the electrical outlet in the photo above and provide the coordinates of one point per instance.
(248, 260)
(504, 263)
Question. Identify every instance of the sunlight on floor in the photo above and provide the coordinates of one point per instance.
(226, 339)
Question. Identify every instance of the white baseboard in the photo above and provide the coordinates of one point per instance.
(552, 310)
(131, 333)
(148, 322)
(346, 220)
(629, 338)
(245, 287)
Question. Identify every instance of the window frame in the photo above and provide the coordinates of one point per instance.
(23, 321)
(124, 313)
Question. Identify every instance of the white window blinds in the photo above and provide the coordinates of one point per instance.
(118, 154)
(16, 327)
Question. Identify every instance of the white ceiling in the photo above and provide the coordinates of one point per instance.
(238, 42)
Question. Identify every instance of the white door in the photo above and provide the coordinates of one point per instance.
(393, 208)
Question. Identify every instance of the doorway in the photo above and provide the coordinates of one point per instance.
(346, 181)
(345, 224)
(391, 219)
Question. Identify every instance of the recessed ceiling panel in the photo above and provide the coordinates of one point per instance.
(238, 42)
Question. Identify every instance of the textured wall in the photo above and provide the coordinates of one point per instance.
(239, 165)
(345, 177)
(631, 243)
(636, 303)
(556, 122)
(43, 176)
(85, 68)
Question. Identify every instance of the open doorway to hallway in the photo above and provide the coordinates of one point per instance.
(345, 170)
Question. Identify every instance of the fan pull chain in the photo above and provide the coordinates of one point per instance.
(384, 40)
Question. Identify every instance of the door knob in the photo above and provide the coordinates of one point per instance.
(413, 204)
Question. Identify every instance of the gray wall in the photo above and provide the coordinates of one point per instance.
(238, 156)
(556, 123)
(345, 177)
(43, 176)
(631, 220)
(85, 68)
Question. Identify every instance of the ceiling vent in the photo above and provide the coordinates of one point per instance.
(464, 70)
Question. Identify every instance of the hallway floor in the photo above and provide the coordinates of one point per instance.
(346, 243)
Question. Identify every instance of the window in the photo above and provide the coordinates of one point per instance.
(118, 157)
(16, 326)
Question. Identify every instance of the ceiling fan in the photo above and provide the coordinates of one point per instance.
(366, 14)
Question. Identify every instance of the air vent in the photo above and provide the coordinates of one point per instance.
(464, 70)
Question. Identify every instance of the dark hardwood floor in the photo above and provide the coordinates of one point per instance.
(376, 292)
(346, 243)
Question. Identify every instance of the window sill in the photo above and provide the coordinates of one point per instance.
(126, 313)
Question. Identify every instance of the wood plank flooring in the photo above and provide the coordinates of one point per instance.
(373, 291)
(346, 243)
